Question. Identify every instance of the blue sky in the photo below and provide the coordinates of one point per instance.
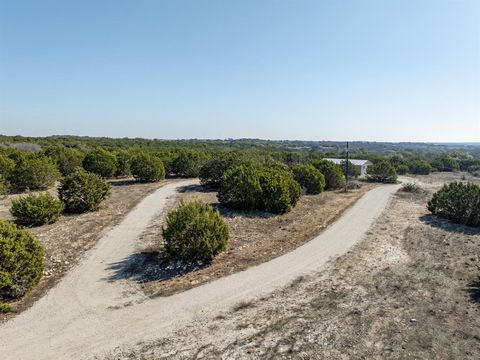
(318, 70)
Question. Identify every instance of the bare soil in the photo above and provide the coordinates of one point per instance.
(66, 240)
(410, 290)
(255, 237)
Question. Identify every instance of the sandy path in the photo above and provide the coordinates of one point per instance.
(87, 315)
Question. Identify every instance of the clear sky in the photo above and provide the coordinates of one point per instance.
(386, 70)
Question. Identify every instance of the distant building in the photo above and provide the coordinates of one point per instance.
(361, 165)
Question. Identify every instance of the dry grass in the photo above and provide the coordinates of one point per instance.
(66, 240)
(255, 237)
(410, 290)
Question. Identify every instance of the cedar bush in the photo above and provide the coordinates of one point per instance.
(419, 167)
(83, 191)
(402, 169)
(34, 173)
(6, 166)
(382, 171)
(36, 209)
(240, 187)
(333, 173)
(187, 165)
(211, 173)
(123, 162)
(67, 159)
(21, 261)
(457, 202)
(4, 187)
(445, 163)
(311, 179)
(195, 231)
(279, 191)
(100, 162)
(147, 168)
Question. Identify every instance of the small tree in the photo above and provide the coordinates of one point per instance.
(123, 159)
(100, 162)
(457, 202)
(21, 264)
(311, 179)
(240, 187)
(67, 159)
(35, 210)
(419, 167)
(211, 173)
(382, 171)
(187, 165)
(6, 166)
(280, 192)
(333, 173)
(4, 188)
(147, 168)
(82, 191)
(446, 163)
(34, 173)
(352, 169)
(195, 231)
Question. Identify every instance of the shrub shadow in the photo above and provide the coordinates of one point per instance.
(195, 188)
(149, 266)
(123, 182)
(447, 225)
(473, 290)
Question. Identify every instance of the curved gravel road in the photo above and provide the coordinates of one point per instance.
(87, 315)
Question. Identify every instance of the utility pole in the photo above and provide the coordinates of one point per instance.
(346, 171)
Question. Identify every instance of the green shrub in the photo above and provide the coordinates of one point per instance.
(333, 173)
(240, 187)
(195, 231)
(419, 167)
(67, 159)
(21, 261)
(353, 171)
(457, 202)
(211, 173)
(474, 170)
(279, 191)
(6, 166)
(5, 308)
(100, 162)
(34, 173)
(82, 191)
(123, 162)
(147, 168)
(187, 165)
(4, 188)
(402, 169)
(446, 163)
(382, 171)
(36, 209)
(311, 179)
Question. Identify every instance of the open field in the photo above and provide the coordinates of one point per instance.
(409, 290)
(255, 237)
(66, 240)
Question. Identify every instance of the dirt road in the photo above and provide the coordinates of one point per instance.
(88, 314)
